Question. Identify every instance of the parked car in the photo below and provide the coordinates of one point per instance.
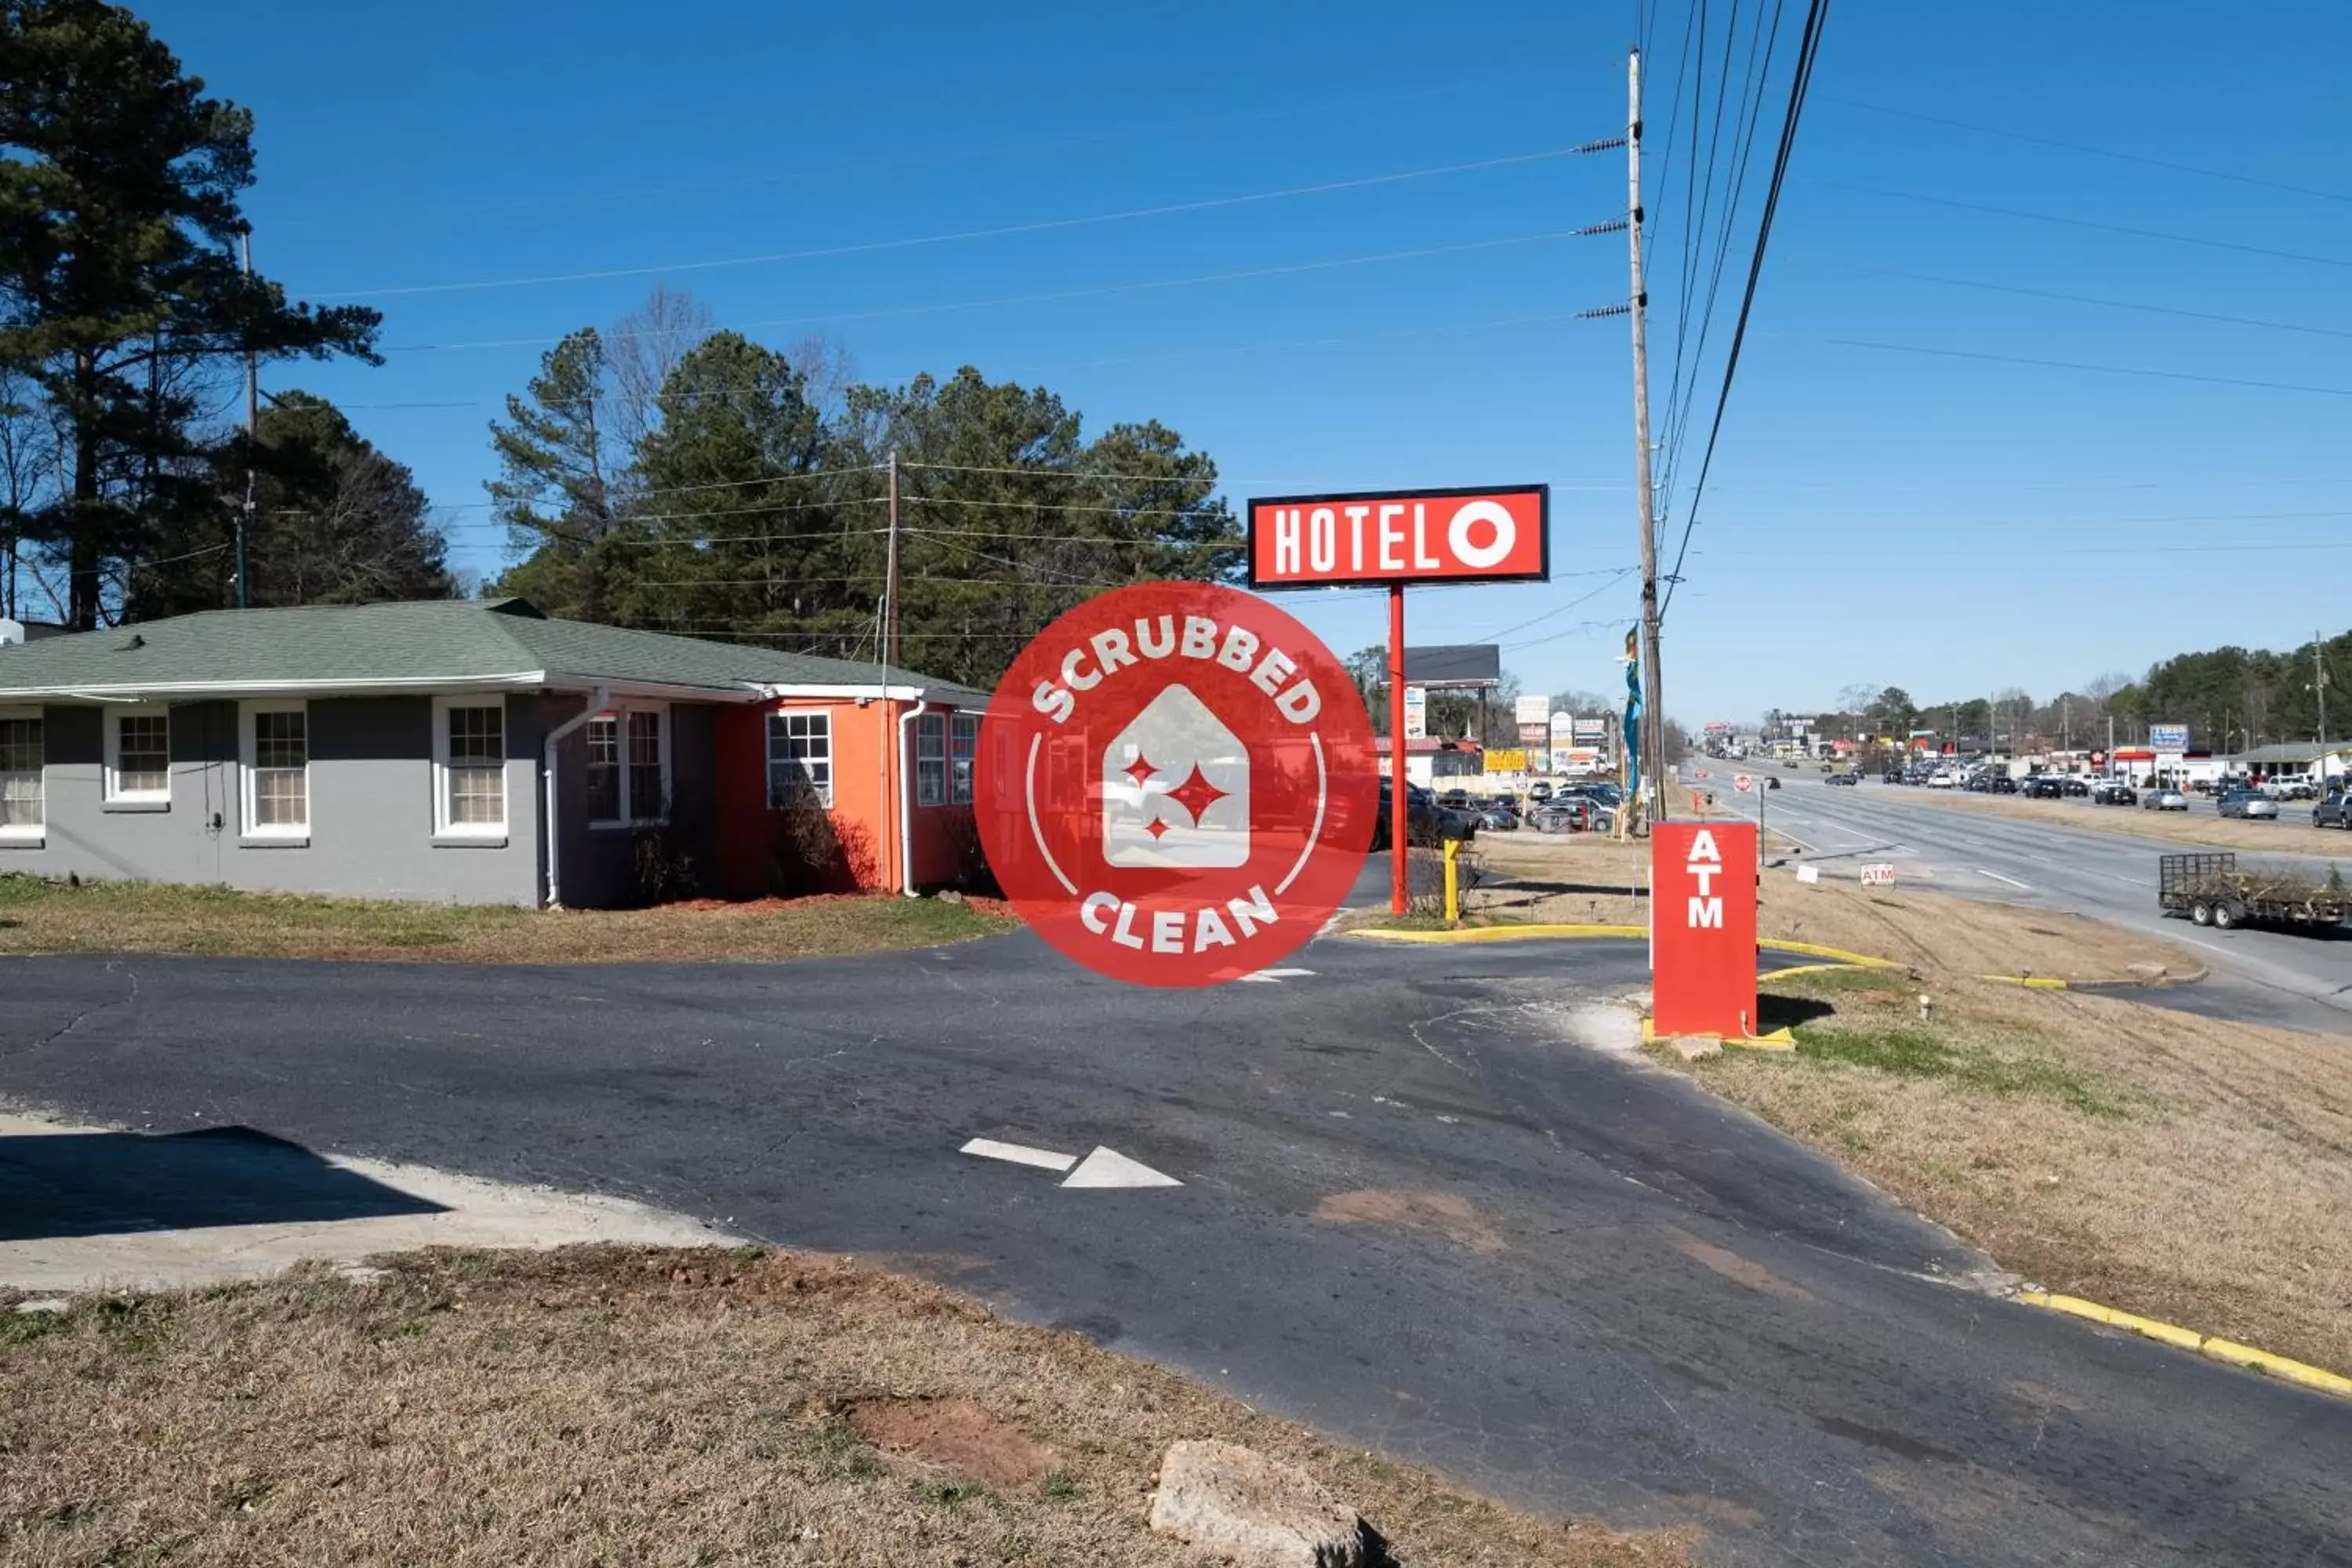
(2295, 789)
(1426, 822)
(1499, 817)
(2248, 803)
(1851, 778)
(2039, 788)
(2162, 798)
(2002, 784)
(1539, 791)
(2336, 811)
(2073, 784)
(1455, 800)
(2114, 792)
(1894, 775)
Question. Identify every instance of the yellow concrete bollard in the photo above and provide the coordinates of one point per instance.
(1453, 882)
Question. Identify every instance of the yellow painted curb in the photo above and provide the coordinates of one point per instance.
(1496, 933)
(2030, 982)
(2210, 1345)
(1814, 969)
(1815, 949)
(1778, 1040)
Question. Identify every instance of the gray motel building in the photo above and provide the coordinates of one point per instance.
(467, 752)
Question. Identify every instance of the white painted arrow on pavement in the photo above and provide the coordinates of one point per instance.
(1103, 1168)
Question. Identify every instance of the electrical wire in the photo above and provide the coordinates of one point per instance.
(2080, 223)
(2099, 369)
(1057, 295)
(2139, 158)
(1808, 50)
(2094, 299)
(1001, 231)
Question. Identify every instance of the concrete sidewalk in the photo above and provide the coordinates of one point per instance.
(91, 1208)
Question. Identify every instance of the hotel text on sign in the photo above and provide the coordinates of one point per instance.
(1401, 536)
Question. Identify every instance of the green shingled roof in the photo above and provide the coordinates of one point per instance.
(425, 644)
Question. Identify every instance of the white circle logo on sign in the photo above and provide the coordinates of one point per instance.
(1479, 557)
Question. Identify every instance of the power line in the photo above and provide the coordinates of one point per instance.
(2095, 152)
(1809, 47)
(2082, 223)
(1615, 577)
(1044, 225)
(2098, 368)
(1057, 296)
(2093, 299)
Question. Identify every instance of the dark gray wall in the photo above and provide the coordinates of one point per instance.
(599, 864)
(371, 814)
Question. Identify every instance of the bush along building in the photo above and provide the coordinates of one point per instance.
(479, 752)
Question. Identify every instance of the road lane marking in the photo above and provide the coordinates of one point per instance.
(1999, 878)
(1044, 1159)
(1109, 1168)
(1276, 977)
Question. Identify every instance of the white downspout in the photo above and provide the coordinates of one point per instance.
(602, 700)
(907, 801)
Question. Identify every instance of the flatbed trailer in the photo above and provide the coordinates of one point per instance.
(2212, 889)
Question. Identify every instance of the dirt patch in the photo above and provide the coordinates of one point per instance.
(2180, 1167)
(954, 1435)
(1440, 1214)
(38, 916)
(1737, 1269)
(666, 1408)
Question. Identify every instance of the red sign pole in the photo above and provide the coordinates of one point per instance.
(1398, 816)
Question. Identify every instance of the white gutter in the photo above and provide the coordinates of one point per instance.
(598, 701)
(135, 693)
(906, 803)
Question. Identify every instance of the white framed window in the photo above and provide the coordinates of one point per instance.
(275, 740)
(931, 759)
(629, 767)
(139, 756)
(469, 767)
(963, 744)
(800, 759)
(22, 754)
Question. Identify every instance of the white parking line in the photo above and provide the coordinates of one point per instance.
(1999, 878)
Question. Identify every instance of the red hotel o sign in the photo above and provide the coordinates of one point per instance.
(1401, 536)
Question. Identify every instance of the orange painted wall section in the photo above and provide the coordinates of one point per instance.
(855, 845)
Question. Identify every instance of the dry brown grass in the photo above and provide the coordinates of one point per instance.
(38, 916)
(2291, 834)
(2192, 1171)
(604, 1406)
(1574, 879)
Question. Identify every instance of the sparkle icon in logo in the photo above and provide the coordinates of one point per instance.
(1176, 788)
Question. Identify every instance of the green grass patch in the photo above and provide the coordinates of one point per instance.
(1835, 980)
(1907, 1052)
(41, 916)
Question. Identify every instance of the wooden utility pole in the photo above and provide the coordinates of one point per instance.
(2319, 686)
(890, 577)
(252, 431)
(1654, 716)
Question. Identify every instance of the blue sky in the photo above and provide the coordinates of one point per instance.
(1876, 515)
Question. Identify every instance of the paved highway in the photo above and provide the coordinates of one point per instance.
(1433, 1202)
(2264, 977)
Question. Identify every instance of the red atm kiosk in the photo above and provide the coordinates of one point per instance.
(1702, 928)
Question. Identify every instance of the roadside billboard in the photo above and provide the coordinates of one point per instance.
(1536, 735)
(1500, 534)
(2167, 737)
(1535, 711)
(1506, 761)
(1416, 713)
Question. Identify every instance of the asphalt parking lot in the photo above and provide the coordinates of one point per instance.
(1429, 1200)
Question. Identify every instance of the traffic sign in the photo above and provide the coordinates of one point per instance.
(1178, 784)
(1743, 782)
